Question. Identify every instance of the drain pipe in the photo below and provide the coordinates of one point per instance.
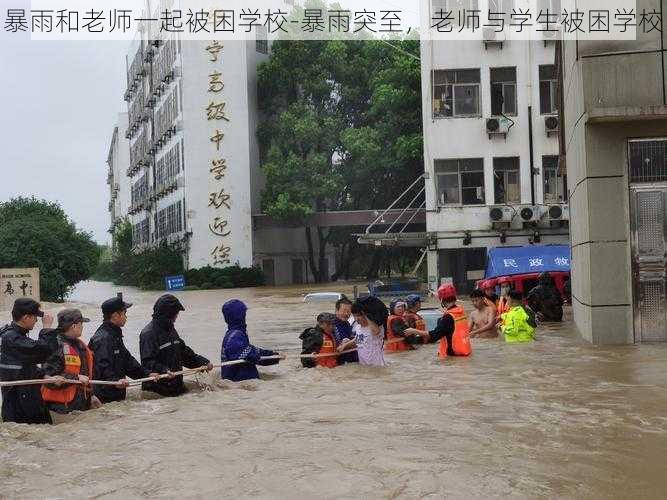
(532, 155)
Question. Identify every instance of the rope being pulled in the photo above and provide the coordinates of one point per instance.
(136, 382)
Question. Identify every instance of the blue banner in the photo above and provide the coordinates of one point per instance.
(173, 283)
(510, 261)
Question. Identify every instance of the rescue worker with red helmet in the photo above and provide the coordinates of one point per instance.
(452, 329)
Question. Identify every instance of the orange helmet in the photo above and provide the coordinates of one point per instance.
(447, 291)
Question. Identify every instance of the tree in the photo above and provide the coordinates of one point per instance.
(341, 131)
(37, 233)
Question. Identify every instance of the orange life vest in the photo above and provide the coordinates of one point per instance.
(395, 342)
(415, 319)
(460, 339)
(66, 393)
(328, 347)
(502, 307)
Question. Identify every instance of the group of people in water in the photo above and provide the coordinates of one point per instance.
(52, 375)
(372, 330)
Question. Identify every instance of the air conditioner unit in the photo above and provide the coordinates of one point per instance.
(557, 213)
(497, 126)
(551, 124)
(491, 36)
(501, 213)
(550, 33)
(530, 213)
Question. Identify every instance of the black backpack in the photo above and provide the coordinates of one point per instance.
(312, 340)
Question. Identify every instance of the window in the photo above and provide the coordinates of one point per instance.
(507, 180)
(169, 220)
(548, 96)
(456, 93)
(648, 160)
(262, 41)
(503, 91)
(555, 183)
(460, 182)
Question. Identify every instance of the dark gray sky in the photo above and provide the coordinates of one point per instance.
(60, 102)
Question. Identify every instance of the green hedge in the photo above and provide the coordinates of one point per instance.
(207, 278)
(148, 269)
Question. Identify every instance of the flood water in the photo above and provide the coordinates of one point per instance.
(556, 418)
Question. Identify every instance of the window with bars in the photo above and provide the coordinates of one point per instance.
(141, 233)
(139, 191)
(460, 182)
(648, 161)
(503, 91)
(548, 93)
(456, 93)
(507, 180)
(169, 166)
(555, 183)
(169, 220)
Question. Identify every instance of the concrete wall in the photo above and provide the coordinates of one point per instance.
(599, 82)
(121, 163)
(283, 245)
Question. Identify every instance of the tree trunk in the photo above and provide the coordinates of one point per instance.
(374, 268)
(311, 254)
(323, 275)
(351, 254)
(341, 262)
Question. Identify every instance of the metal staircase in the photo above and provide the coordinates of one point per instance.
(397, 221)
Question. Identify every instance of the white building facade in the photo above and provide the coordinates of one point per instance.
(193, 173)
(491, 152)
(118, 161)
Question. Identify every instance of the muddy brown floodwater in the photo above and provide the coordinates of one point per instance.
(557, 418)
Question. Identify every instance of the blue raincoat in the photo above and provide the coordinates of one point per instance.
(236, 345)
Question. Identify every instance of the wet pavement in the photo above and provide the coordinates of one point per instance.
(556, 418)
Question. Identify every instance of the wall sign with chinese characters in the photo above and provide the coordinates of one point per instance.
(220, 202)
(18, 283)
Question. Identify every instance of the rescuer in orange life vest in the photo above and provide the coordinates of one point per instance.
(397, 338)
(452, 329)
(320, 340)
(72, 360)
(416, 324)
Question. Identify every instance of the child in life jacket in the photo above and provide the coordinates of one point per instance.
(320, 340)
(417, 332)
(518, 324)
(398, 338)
(452, 330)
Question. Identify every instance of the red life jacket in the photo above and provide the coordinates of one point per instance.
(414, 320)
(328, 347)
(395, 343)
(66, 393)
(460, 339)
